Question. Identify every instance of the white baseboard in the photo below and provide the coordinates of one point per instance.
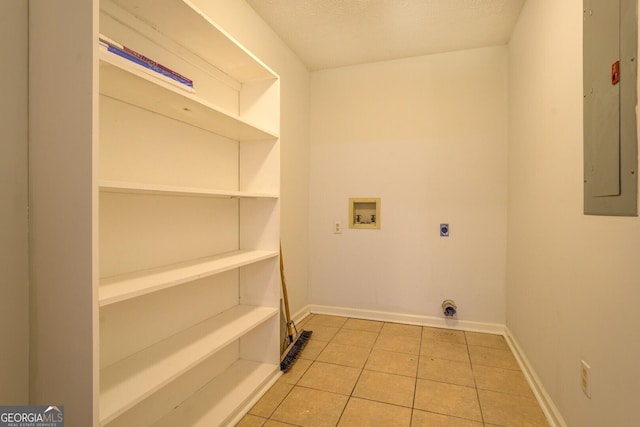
(411, 319)
(548, 407)
(299, 315)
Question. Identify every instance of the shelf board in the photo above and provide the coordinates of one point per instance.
(130, 285)
(232, 389)
(131, 83)
(128, 382)
(188, 26)
(169, 190)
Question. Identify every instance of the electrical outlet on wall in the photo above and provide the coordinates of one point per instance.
(337, 227)
(585, 374)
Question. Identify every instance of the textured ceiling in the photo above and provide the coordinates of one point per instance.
(334, 33)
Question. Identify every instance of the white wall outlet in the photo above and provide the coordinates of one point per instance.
(585, 374)
(337, 227)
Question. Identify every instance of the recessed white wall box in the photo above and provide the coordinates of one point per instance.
(364, 213)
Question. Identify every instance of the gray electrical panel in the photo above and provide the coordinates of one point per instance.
(610, 34)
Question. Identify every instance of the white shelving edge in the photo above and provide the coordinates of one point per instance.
(130, 285)
(136, 85)
(169, 190)
(210, 405)
(128, 382)
(188, 26)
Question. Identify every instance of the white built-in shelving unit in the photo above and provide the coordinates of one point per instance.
(176, 267)
(188, 182)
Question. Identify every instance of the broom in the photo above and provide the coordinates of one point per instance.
(295, 341)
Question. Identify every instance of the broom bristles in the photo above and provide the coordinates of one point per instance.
(294, 350)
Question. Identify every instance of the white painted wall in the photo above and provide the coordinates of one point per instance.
(573, 280)
(63, 208)
(14, 294)
(428, 135)
(241, 21)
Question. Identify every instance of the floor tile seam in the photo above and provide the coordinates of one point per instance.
(366, 360)
(443, 358)
(319, 318)
(488, 346)
(361, 330)
(393, 334)
(344, 408)
(413, 399)
(451, 416)
(415, 382)
(352, 345)
(319, 325)
(347, 330)
(506, 368)
(531, 397)
(347, 345)
(434, 341)
(283, 422)
(446, 382)
(395, 352)
(437, 342)
(426, 352)
(308, 387)
(369, 399)
(331, 363)
(353, 388)
(321, 341)
(475, 383)
(304, 371)
(399, 352)
(452, 340)
(444, 328)
(316, 389)
(349, 366)
(281, 402)
(352, 331)
(390, 373)
(400, 334)
(346, 326)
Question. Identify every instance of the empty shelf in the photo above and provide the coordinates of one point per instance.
(170, 190)
(220, 399)
(119, 288)
(129, 381)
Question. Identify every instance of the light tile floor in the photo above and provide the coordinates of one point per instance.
(363, 373)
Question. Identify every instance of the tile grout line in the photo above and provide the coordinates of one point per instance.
(378, 335)
(415, 382)
(354, 384)
(473, 376)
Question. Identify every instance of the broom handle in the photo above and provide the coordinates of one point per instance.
(286, 297)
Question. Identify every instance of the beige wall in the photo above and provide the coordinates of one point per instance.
(63, 208)
(240, 20)
(428, 135)
(14, 297)
(573, 280)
